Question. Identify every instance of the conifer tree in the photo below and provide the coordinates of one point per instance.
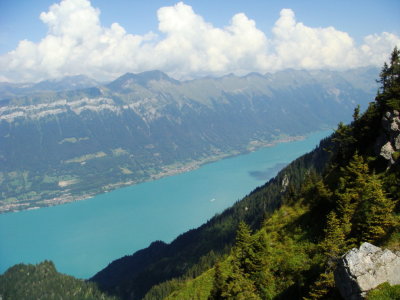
(383, 77)
(375, 217)
(351, 185)
(332, 247)
(218, 284)
(345, 141)
(247, 279)
(243, 251)
(239, 286)
(334, 241)
(364, 210)
(389, 94)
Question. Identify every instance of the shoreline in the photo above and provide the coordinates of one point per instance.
(169, 170)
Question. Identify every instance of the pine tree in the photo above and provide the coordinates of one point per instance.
(345, 142)
(364, 210)
(243, 252)
(351, 185)
(332, 247)
(239, 286)
(260, 274)
(334, 242)
(389, 95)
(218, 284)
(383, 77)
(375, 217)
(247, 279)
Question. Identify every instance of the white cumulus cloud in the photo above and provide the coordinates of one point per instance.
(186, 46)
(299, 46)
(194, 46)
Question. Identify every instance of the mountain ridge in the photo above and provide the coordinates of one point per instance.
(70, 83)
(83, 142)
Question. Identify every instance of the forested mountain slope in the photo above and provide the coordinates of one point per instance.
(42, 281)
(69, 144)
(355, 199)
(341, 194)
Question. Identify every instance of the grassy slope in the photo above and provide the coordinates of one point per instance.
(290, 249)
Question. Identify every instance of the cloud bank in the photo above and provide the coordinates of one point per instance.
(186, 46)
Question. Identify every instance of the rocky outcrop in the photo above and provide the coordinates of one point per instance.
(285, 183)
(361, 270)
(389, 141)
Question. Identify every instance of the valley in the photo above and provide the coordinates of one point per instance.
(69, 234)
(201, 150)
(68, 145)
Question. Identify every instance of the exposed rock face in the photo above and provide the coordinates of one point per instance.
(360, 270)
(389, 142)
(285, 183)
(387, 152)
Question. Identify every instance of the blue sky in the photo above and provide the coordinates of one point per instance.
(324, 21)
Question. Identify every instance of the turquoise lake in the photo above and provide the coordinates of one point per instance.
(82, 237)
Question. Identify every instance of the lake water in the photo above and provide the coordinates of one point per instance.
(82, 237)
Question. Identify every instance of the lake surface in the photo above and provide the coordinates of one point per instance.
(82, 237)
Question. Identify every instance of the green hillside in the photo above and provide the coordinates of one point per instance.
(356, 199)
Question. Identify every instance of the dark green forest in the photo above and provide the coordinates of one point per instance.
(42, 281)
(282, 241)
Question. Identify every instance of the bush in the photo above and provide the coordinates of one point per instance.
(385, 291)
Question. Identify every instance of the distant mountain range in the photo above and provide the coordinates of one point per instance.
(71, 138)
(10, 90)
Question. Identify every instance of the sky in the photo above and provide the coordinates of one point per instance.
(103, 39)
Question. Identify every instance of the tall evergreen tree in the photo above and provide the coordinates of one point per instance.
(351, 185)
(334, 242)
(332, 246)
(238, 286)
(389, 94)
(345, 142)
(218, 284)
(364, 210)
(375, 217)
(243, 252)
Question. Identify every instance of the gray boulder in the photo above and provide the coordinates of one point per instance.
(397, 143)
(387, 151)
(361, 270)
(389, 140)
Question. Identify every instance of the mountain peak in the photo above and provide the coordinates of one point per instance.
(154, 75)
(142, 79)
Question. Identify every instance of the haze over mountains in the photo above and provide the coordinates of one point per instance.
(10, 90)
(75, 137)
